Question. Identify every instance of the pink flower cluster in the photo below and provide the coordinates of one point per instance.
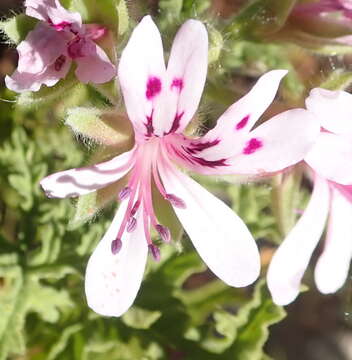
(160, 101)
(59, 38)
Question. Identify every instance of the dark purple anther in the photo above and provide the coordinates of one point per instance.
(116, 246)
(124, 193)
(154, 250)
(175, 201)
(164, 232)
(131, 224)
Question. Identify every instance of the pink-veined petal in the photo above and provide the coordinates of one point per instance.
(332, 267)
(240, 117)
(218, 234)
(331, 158)
(280, 142)
(333, 109)
(141, 73)
(95, 68)
(292, 257)
(186, 74)
(80, 181)
(112, 281)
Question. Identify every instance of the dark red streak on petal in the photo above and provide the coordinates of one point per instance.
(196, 147)
(240, 125)
(149, 125)
(176, 123)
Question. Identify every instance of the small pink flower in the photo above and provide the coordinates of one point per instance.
(160, 103)
(330, 159)
(45, 56)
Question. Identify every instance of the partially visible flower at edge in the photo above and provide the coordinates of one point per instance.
(329, 161)
(46, 55)
(160, 103)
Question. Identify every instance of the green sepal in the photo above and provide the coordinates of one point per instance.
(216, 43)
(260, 18)
(337, 80)
(89, 205)
(17, 27)
(124, 18)
(104, 127)
(316, 44)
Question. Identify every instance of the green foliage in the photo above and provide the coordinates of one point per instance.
(182, 310)
(16, 28)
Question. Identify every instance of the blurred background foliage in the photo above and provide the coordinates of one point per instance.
(182, 311)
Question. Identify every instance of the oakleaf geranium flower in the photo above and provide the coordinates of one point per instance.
(160, 103)
(329, 161)
(45, 56)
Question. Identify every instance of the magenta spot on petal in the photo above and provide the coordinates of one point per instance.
(59, 62)
(252, 146)
(153, 87)
(242, 123)
(177, 83)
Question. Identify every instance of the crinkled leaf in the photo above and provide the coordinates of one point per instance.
(17, 27)
(139, 318)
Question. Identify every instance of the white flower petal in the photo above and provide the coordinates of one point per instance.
(80, 181)
(332, 267)
(186, 74)
(333, 109)
(112, 281)
(141, 72)
(218, 234)
(292, 257)
(280, 142)
(331, 158)
(240, 117)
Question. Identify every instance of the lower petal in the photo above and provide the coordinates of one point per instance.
(331, 158)
(292, 257)
(218, 234)
(80, 181)
(332, 267)
(112, 281)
